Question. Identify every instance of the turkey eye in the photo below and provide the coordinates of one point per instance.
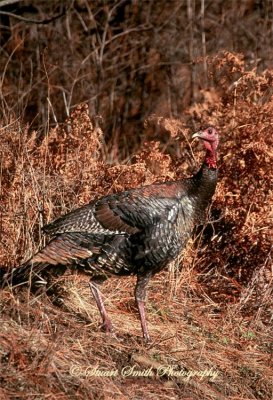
(209, 131)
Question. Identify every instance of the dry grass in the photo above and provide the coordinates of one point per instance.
(211, 312)
(61, 354)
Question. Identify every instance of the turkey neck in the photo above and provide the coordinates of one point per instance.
(211, 159)
(203, 184)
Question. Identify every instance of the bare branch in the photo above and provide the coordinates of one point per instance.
(35, 21)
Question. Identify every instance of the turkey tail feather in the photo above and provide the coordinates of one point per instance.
(27, 273)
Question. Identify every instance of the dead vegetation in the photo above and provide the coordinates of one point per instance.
(211, 313)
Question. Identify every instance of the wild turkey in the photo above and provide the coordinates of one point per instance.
(138, 232)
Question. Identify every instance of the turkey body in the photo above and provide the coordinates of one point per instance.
(138, 232)
(133, 231)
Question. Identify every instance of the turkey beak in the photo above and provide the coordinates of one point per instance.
(197, 135)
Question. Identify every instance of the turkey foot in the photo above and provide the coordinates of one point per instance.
(107, 326)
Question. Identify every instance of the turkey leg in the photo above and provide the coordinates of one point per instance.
(140, 296)
(106, 322)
